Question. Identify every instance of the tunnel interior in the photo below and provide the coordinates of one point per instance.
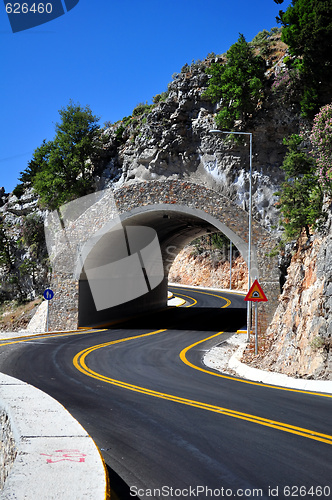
(176, 226)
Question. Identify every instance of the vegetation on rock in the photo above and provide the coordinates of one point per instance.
(308, 177)
(238, 84)
(307, 30)
(321, 139)
(7, 258)
(300, 197)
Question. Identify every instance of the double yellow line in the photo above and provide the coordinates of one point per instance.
(80, 363)
(228, 302)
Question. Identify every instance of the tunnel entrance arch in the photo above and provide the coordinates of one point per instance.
(179, 212)
(176, 226)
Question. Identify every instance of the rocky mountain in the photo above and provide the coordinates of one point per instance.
(172, 139)
(298, 342)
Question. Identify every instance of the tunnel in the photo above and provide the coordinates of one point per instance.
(176, 225)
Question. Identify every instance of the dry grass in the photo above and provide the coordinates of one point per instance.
(14, 316)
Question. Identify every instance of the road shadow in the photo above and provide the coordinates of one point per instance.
(119, 489)
(196, 319)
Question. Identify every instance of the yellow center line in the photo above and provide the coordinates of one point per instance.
(187, 297)
(19, 340)
(243, 381)
(79, 362)
(228, 302)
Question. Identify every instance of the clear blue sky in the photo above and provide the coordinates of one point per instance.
(111, 55)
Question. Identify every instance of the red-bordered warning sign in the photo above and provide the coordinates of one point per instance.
(256, 293)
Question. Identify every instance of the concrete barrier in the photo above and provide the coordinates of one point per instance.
(46, 454)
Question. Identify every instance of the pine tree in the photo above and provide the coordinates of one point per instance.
(238, 84)
(307, 30)
(300, 197)
(63, 169)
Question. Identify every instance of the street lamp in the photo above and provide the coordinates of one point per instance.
(250, 221)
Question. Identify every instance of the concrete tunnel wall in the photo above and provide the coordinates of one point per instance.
(179, 212)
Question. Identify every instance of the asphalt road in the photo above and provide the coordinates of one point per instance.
(167, 426)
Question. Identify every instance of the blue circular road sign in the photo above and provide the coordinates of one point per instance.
(48, 294)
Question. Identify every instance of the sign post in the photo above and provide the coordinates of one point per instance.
(256, 328)
(48, 295)
(256, 295)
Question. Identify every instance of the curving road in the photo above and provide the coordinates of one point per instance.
(167, 426)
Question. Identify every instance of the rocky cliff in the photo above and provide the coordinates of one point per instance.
(209, 268)
(299, 340)
(172, 139)
(165, 140)
(24, 267)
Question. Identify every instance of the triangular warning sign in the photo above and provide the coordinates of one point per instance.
(256, 293)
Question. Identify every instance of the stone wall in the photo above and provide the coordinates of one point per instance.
(224, 210)
(8, 450)
(63, 308)
(207, 204)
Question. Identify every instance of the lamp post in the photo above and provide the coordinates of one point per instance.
(230, 264)
(250, 220)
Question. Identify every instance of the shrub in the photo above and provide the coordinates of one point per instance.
(307, 30)
(142, 108)
(19, 190)
(160, 97)
(33, 234)
(288, 85)
(321, 139)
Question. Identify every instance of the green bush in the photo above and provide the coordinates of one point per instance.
(307, 30)
(33, 233)
(238, 84)
(160, 97)
(321, 139)
(7, 258)
(19, 190)
(300, 196)
(142, 108)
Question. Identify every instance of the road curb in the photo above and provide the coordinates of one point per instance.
(176, 302)
(55, 457)
(274, 378)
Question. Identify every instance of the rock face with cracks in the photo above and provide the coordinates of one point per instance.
(299, 340)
